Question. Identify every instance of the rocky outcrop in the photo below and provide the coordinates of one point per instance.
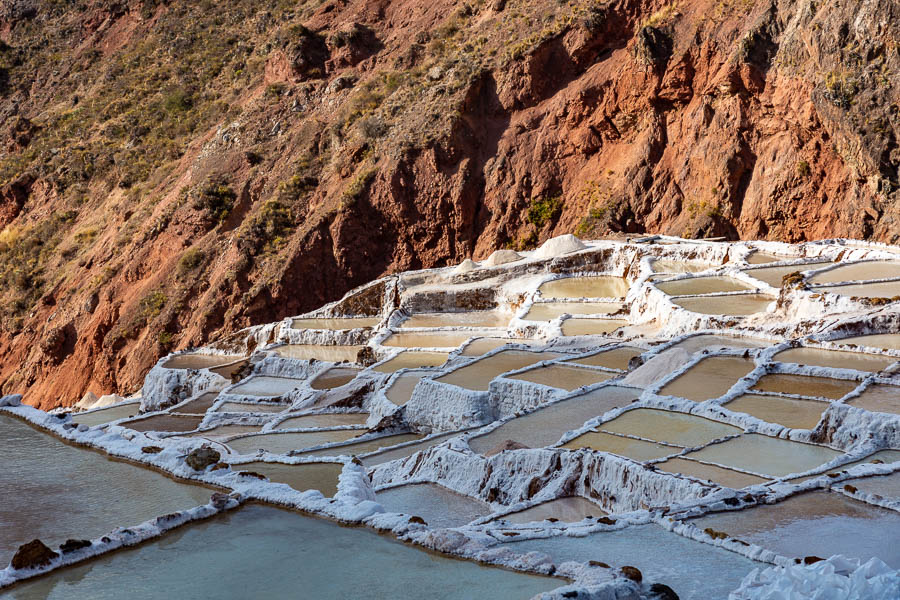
(32, 555)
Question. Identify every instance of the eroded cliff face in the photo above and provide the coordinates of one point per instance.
(172, 172)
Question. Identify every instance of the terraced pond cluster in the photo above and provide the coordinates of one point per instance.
(660, 417)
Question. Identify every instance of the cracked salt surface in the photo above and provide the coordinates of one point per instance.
(485, 440)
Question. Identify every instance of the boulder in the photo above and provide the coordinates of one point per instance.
(660, 591)
(632, 573)
(32, 555)
(11, 400)
(73, 545)
(200, 458)
(219, 500)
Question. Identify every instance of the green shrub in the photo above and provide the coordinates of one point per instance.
(216, 199)
(542, 211)
(153, 304)
(190, 260)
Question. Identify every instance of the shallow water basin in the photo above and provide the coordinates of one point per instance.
(585, 287)
(412, 360)
(231, 370)
(710, 378)
(429, 339)
(282, 443)
(548, 311)
(774, 275)
(568, 510)
(317, 352)
(324, 420)
(735, 305)
(720, 475)
(439, 506)
(661, 556)
(544, 427)
(572, 327)
(336, 324)
(309, 476)
(665, 265)
(885, 341)
(199, 405)
(702, 285)
(790, 412)
(616, 358)
(638, 450)
(879, 398)
(333, 378)
(106, 415)
(54, 491)
(223, 432)
(266, 386)
(835, 359)
(257, 552)
(563, 377)
(884, 289)
(403, 452)
(805, 385)
(251, 407)
(485, 345)
(766, 455)
(882, 456)
(815, 523)
(667, 426)
(165, 422)
(478, 375)
(759, 257)
(479, 318)
(199, 361)
(879, 269)
(705, 341)
(357, 448)
(401, 389)
(886, 486)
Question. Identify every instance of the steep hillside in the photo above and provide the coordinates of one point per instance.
(173, 171)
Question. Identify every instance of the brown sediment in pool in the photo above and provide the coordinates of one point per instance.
(223, 432)
(702, 285)
(251, 407)
(484, 345)
(318, 352)
(199, 361)
(165, 423)
(837, 359)
(324, 420)
(411, 360)
(666, 426)
(107, 415)
(199, 405)
(766, 455)
(266, 386)
(879, 397)
(719, 475)
(707, 341)
(404, 451)
(885, 341)
(429, 339)
(774, 275)
(401, 389)
(805, 385)
(882, 456)
(357, 448)
(334, 377)
(790, 412)
(308, 476)
(573, 327)
(730, 305)
(548, 311)
(282, 443)
(885, 289)
(479, 374)
(336, 324)
(617, 358)
(480, 318)
(639, 450)
(879, 269)
(710, 378)
(665, 266)
(565, 377)
(567, 510)
(600, 286)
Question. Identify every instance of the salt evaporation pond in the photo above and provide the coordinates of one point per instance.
(357, 448)
(639, 450)
(697, 343)
(885, 341)
(308, 476)
(223, 432)
(199, 361)
(408, 450)
(548, 311)
(282, 443)
(568, 510)
(429, 339)
(884, 289)
(324, 420)
(484, 345)
(766, 455)
(720, 475)
(708, 379)
(702, 285)
(666, 426)
(53, 491)
(879, 398)
(335, 324)
(106, 415)
(317, 352)
(163, 422)
(617, 358)
(437, 505)
(759, 257)
(479, 318)
(735, 305)
(563, 377)
(879, 269)
(886, 486)
(815, 524)
(401, 389)
(882, 456)
(774, 276)
(251, 407)
(585, 287)
(664, 265)
(836, 359)
(258, 552)
(266, 386)
(412, 359)
(805, 385)
(790, 412)
(333, 378)
(572, 327)
(479, 374)
(545, 426)
(199, 405)
(694, 570)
